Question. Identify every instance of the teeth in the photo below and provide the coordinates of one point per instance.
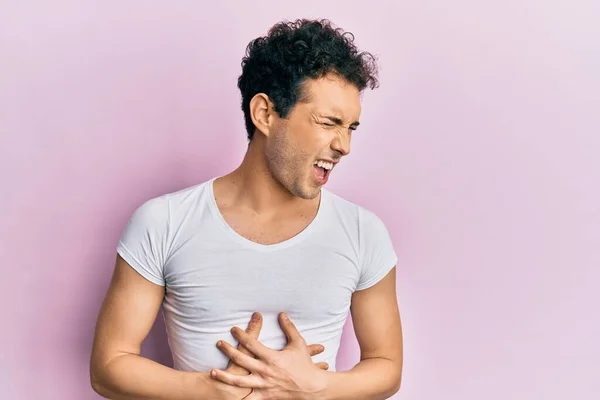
(324, 164)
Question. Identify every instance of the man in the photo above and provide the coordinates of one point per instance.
(267, 241)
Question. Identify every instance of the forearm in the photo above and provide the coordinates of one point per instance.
(130, 376)
(373, 378)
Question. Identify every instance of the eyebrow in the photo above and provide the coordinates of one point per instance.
(338, 121)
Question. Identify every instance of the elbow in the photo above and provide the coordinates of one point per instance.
(103, 376)
(98, 388)
(397, 385)
(395, 388)
(96, 380)
(398, 369)
(96, 384)
(396, 382)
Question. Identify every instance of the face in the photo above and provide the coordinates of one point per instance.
(305, 147)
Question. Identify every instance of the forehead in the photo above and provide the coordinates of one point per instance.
(332, 95)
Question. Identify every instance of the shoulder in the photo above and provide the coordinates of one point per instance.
(160, 209)
(369, 230)
(350, 211)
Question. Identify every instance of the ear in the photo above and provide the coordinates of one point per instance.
(262, 113)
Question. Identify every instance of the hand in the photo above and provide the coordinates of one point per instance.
(289, 373)
(228, 392)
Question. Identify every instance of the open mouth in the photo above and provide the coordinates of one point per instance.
(322, 170)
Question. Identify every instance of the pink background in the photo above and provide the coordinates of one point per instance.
(480, 151)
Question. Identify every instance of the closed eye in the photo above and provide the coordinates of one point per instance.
(335, 121)
(329, 125)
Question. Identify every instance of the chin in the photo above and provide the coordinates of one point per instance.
(310, 193)
(302, 188)
(307, 192)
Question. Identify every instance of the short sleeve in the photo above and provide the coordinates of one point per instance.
(143, 242)
(377, 254)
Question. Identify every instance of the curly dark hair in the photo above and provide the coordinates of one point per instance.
(292, 52)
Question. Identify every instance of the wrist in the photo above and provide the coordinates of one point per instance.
(320, 386)
(210, 388)
(206, 387)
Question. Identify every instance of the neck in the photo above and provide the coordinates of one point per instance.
(252, 185)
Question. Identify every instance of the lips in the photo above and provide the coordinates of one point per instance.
(321, 174)
(320, 171)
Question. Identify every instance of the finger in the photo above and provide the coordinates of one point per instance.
(243, 360)
(322, 365)
(255, 325)
(254, 395)
(292, 334)
(253, 329)
(236, 369)
(256, 348)
(315, 349)
(246, 381)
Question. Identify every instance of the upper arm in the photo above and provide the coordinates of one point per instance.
(374, 305)
(127, 314)
(376, 320)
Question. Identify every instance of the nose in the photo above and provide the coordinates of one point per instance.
(341, 143)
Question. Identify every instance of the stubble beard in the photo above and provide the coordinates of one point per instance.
(287, 166)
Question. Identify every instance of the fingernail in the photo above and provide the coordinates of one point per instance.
(255, 317)
(213, 373)
(219, 343)
(234, 329)
(285, 316)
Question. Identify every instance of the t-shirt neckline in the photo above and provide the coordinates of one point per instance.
(265, 247)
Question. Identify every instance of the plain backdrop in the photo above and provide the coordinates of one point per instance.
(480, 151)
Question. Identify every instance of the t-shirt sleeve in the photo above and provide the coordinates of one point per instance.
(143, 242)
(377, 254)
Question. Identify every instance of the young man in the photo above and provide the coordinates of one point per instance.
(267, 241)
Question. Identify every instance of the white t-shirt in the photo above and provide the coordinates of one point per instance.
(215, 278)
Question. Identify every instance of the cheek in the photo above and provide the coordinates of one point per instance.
(307, 140)
(313, 141)
(286, 152)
